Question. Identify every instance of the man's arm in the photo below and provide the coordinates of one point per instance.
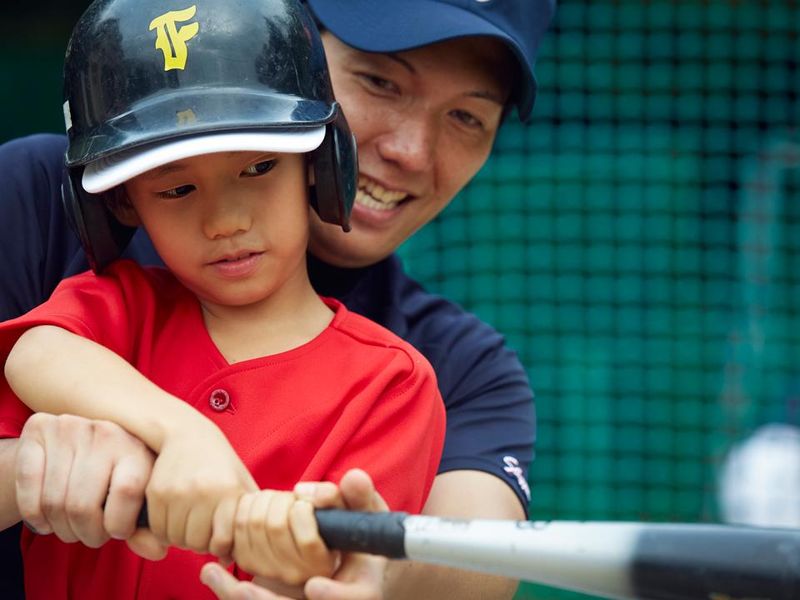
(458, 494)
(9, 515)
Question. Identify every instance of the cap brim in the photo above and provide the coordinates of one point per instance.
(106, 173)
(373, 26)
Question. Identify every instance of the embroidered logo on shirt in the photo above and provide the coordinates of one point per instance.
(171, 40)
(512, 468)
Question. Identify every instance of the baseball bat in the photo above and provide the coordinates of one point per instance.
(627, 561)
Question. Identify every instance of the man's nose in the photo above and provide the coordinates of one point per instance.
(411, 144)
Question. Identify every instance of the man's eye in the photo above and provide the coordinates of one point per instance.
(468, 119)
(178, 192)
(259, 168)
(377, 82)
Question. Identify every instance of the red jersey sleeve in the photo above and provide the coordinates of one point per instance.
(399, 439)
(108, 309)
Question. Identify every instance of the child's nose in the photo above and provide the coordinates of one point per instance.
(226, 218)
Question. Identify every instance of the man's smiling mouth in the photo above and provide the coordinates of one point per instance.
(373, 195)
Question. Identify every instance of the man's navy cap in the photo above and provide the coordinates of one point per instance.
(396, 25)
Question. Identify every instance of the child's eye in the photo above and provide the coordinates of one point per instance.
(259, 168)
(178, 192)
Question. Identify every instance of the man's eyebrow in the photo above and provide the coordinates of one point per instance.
(487, 95)
(402, 61)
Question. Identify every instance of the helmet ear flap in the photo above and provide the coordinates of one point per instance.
(335, 165)
(102, 236)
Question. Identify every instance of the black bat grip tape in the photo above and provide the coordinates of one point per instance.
(373, 533)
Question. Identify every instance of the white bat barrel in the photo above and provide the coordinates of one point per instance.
(619, 560)
(609, 559)
(593, 559)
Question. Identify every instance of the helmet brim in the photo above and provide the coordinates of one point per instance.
(113, 170)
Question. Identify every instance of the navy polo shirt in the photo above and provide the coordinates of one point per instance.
(490, 416)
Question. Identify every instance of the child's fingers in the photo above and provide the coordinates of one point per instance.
(278, 532)
(156, 515)
(251, 546)
(255, 547)
(221, 544)
(312, 550)
(197, 536)
(322, 494)
(146, 545)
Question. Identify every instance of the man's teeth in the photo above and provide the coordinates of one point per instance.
(373, 195)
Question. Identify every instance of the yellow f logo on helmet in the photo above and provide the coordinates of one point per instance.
(171, 40)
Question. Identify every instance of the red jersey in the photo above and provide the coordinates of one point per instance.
(354, 396)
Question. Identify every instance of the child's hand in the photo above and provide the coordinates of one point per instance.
(359, 576)
(196, 474)
(276, 536)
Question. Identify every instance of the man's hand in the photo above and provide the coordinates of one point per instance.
(83, 481)
(359, 577)
(462, 495)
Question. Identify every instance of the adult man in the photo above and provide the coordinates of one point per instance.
(425, 85)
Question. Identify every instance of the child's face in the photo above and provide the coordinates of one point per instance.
(232, 226)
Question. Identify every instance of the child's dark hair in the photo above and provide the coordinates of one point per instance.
(116, 199)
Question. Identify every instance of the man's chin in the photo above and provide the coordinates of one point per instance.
(339, 249)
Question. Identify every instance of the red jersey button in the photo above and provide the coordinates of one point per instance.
(219, 400)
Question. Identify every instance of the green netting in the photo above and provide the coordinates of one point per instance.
(639, 246)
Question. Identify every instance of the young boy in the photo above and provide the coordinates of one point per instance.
(206, 124)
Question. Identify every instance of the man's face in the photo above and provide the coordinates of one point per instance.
(424, 120)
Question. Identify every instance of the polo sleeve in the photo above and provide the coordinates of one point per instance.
(491, 421)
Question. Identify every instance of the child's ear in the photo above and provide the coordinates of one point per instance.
(120, 205)
(126, 214)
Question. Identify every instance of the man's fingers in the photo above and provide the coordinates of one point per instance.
(86, 492)
(29, 481)
(226, 587)
(360, 578)
(359, 492)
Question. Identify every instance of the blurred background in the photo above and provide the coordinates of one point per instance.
(637, 244)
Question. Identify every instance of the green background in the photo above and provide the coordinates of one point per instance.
(638, 243)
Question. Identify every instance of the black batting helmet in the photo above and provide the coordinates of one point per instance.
(139, 74)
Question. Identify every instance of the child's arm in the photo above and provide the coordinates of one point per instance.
(55, 371)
